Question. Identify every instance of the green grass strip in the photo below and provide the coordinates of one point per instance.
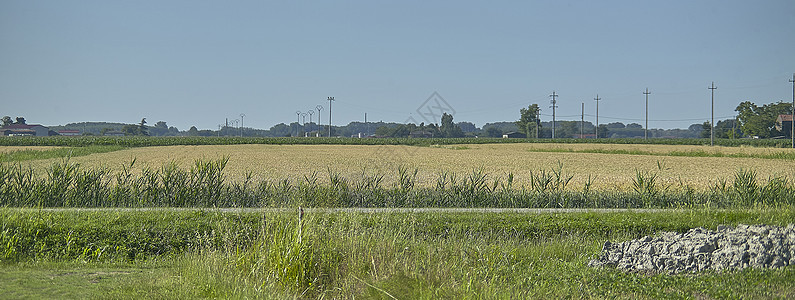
(781, 155)
(25, 155)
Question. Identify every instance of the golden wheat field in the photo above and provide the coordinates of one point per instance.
(607, 171)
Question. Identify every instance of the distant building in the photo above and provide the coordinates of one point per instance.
(69, 132)
(784, 123)
(25, 130)
(514, 135)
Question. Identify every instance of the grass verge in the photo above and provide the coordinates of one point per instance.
(361, 255)
(25, 155)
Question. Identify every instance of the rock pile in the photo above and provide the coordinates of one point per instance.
(755, 246)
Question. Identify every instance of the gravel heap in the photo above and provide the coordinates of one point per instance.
(755, 246)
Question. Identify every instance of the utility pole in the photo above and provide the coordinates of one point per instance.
(241, 124)
(582, 118)
(712, 124)
(366, 128)
(303, 118)
(319, 109)
(554, 105)
(297, 123)
(646, 128)
(597, 115)
(329, 115)
(310, 112)
(538, 121)
(792, 121)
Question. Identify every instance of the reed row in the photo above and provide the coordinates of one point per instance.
(67, 184)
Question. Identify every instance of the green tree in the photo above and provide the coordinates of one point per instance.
(528, 120)
(602, 131)
(142, 128)
(20, 120)
(493, 132)
(193, 131)
(450, 129)
(7, 121)
(727, 129)
(705, 129)
(130, 129)
(761, 120)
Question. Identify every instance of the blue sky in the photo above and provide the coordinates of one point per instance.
(199, 62)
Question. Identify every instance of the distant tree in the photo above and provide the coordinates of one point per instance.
(467, 126)
(761, 120)
(105, 130)
(142, 128)
(493, 132)
(280, 129)
(160, 129)
(503, 126)
(20, 120)
(602, 131)
(727, 129)
(634, 125)
(615, 125)
(382, 131)
(696, 127)
(401, 131)
(567, 129)
(130, 129)
(528, 120)
(193, 131)
(705, 129)
(7, 121)
(450, 129)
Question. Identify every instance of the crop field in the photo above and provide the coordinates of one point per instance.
(113, 221)
(605, 167)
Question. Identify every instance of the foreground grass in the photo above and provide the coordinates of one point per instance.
(215, 254)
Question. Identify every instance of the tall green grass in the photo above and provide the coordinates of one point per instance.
(66, 184)
(367, 255)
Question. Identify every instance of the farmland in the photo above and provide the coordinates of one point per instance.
(606, 170)
(170, 241)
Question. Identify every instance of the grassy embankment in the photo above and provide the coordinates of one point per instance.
(190, 254)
